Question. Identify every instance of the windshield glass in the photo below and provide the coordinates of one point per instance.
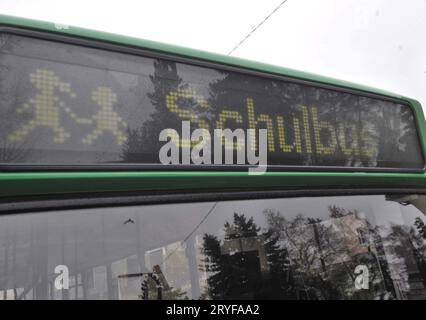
(351, 247)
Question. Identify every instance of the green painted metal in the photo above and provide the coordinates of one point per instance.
(44, 183)
(183, 52)
(21, 184)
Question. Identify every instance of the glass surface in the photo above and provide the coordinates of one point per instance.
(72, 105)
(352, 247)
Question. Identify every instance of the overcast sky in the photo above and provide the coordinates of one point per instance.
(381, 43)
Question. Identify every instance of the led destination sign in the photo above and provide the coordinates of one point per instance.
(64, 104)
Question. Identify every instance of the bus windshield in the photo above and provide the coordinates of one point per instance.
(331, 247)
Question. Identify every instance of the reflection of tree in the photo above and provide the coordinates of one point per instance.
(419, 245)
(324, 254)
(338, 212)
(362, 132)
(271, 98)
(307, 258)
(420, 226)
(13, 91)
(389, 129)
(245, 270)
(13, 152)
(409, 257)
(142, 143)
(408, 134)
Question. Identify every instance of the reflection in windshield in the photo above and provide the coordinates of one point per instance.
(358, 247)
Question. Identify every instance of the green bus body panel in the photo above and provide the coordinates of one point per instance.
(45, 183)
(22, 184)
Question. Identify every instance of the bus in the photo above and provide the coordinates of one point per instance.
(108, 191)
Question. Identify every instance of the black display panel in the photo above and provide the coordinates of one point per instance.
(71, 105)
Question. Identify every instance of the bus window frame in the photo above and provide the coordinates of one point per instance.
(151, 53)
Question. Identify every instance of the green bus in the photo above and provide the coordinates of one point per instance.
(89, 210)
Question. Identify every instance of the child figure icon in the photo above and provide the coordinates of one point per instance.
(45, 106)
(104, 120)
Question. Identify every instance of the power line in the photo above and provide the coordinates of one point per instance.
(257, 27)
(191, 233)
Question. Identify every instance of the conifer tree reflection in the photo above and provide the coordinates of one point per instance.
(306, 258)
(311, 258)
(142, 143)
(247, 264)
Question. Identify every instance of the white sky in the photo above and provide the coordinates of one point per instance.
(381, 43)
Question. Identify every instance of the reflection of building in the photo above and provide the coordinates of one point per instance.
(174, 264)
(332, 245)
(171, 263)
(181, 264)
(330, 250)
(324, 243)
(405, 265)
(250, 244)
(352, 237)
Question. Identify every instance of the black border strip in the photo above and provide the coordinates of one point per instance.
(82, 201)
(4, 167)
(150, 53)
